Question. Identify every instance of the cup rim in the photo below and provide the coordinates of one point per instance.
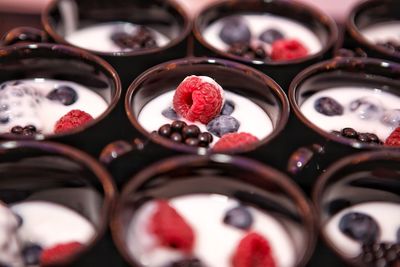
(352, 29)
(333, 33)
(303, 204)
(187, 26)
(108, 69)
(333, 64)
(170, 65)
(326, 176)
(103, 176)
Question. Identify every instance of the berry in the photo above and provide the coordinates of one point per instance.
(71, 120)
(394, 138)
(53, 255)
(17, 129)
(19, 220)
(142, 38)
(171, 229)
(381, 254)
(239, 217)
(4, 119)
(349, 133)
(64, 94)
(234, 141)
(368, 138)
(366, 107)
(391, 45)
(192, 141)
(288, 49)
(235, 30)
(187, 263)
(28, 130)
(253, 251)
(248, 51)
(176, 137)
(391, 117)
(328, 106)
(165, 130)
(205, 138)
(222, 125)
(177, 126)
(197, 99)
(31, 254)
(228, 108)
(170, 113)
(190, 131)
(271, 35)
(360, 227)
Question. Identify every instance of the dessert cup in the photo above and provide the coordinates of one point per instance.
(315, 23)
(230, 177)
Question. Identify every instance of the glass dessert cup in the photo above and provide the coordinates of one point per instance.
(316, 147)
(229, 177)
(45, 182)
(319, 25)
(365, 28)
(365, 183)
(93, 81)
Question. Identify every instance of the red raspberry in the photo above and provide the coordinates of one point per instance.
(253, 251)
(285, 49)
(394, 138)
(170, 228)
(53, 255)
(234, 140)
(71, 120)
(198, 100)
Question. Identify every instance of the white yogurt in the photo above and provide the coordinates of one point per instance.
(382, 32)
(387, 216)
(10, 246)
(259, 23)
(215, 242)
(49, 224)
(252, 117)
(344, 96)
(98, 37)
(32, 106)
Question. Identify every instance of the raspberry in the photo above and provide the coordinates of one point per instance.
(58, 253)
(197, 99)
(234, 140)
(394, 138)
(71, 120)
(253, 251)
(170, 228)
(288, 49)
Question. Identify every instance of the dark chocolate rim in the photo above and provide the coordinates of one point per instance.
(170, 65)
(352, 28)
(303, 204)
(324, 19)
(324, 179)
(76, 52)
(108, 186)
(330, 65)
(60, 39)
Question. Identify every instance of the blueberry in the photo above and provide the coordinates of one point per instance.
(391, 117)
(360, 227)
(228, 108)
(31, 254)
(271, 35)
(239, 217)
(64, 94)
(235, 30)
(328, 106)
(170, 113)
(222, 125)
(19, 220)
(186, 263)
(4, 107)
(366, 107)
(4, 119)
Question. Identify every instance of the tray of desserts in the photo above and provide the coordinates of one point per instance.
(256, 134)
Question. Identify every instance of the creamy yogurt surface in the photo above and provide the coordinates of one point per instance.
(382, 32)
(215, 241)
(344, 96)
(386, 214)
(24, 102)
(98, 36)
(258, 23)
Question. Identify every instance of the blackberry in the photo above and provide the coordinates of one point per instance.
(247, 51)
(381, 255)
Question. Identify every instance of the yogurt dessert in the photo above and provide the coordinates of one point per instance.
(46, 106)
(262, 37)
(200, 113)
(41, 233)
(369, 232)
(116, 37)
(363, 114)
(385, 34)
(207, 230)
